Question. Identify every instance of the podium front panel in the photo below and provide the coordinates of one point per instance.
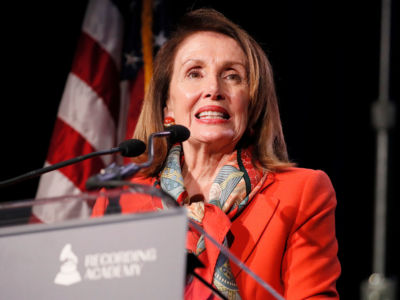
(134, 256)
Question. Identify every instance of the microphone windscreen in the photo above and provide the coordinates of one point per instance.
(132, 148)
(179, 133)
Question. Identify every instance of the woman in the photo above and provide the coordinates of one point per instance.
(233, 173)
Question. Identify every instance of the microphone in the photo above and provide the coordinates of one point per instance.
(178, 133)
(175, 133)
(131, 148)
(128, 148)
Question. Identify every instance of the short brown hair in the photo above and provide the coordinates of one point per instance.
(264, 130)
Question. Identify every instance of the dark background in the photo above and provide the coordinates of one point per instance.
(325, 55)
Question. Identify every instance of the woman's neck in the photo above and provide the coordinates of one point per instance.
(201, 167)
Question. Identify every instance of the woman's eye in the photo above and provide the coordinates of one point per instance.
(233, 76)
(194, 74)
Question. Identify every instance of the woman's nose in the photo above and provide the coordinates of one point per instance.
(214, 89)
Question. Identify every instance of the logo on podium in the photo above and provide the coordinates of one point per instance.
(68, 273)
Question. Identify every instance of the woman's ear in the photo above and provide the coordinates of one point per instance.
(168, 111)
(169, 119)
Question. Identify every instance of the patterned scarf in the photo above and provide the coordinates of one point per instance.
(232, 189)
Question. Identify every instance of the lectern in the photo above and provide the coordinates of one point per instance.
(131, 256)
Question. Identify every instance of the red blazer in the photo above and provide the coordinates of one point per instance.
(286, 235)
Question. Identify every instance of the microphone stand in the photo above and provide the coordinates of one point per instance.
(114, 172)
(130, 148)
(56, 166)
(378, 287)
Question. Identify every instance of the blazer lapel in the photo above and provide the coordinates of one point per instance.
(249, 226)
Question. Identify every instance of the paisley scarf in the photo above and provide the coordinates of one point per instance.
(232, 189)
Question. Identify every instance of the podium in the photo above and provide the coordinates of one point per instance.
(140, 255)
(118, 256)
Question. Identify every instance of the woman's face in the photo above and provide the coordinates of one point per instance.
(209, 92)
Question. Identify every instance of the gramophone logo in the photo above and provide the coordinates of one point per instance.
(68, 273)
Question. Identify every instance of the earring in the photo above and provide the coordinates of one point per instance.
(169, 121)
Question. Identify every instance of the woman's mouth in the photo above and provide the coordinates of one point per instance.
(208, 115)
(212, 112)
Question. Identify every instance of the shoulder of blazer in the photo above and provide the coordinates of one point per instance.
(296, 181)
